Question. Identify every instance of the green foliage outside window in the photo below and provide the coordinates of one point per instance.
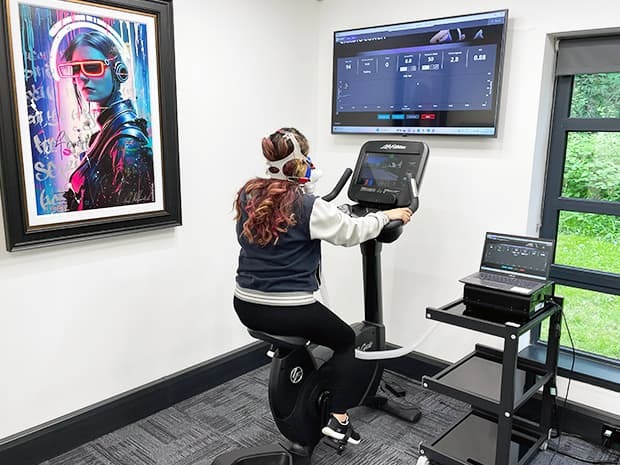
(592, 165)
(593, 319)
(596, 96)
(587, 250)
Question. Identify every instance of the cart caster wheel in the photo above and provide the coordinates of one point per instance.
(422, 460)
(543, 446)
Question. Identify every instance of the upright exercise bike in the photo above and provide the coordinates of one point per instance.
(387, 175)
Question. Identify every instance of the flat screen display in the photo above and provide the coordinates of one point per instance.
(526, 256)
(439, 76)
(387, 171)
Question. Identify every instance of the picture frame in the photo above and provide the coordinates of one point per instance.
(88, 128)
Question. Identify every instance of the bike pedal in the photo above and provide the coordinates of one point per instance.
(338, 445)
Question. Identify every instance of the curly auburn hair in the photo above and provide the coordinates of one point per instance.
(270, 203)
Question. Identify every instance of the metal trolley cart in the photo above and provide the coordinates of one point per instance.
(496, 384)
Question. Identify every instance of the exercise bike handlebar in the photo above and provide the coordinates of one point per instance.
(412, 190)
(339, 185)
(413, 205)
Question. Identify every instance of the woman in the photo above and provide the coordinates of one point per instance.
(280, 228)
(117, 168)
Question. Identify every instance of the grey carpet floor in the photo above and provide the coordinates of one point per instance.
(236, 414)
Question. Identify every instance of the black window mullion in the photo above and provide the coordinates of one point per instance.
(557, 149)
(591, 124)
(601, 207)
(592, 280)
(555, 165)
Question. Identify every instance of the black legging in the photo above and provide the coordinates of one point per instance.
(317, 323)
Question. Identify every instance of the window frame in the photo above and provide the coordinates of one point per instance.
(595, 369)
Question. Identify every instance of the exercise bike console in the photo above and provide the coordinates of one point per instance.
(387, 175)
(381, 177)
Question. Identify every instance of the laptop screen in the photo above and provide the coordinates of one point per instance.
(515, 255)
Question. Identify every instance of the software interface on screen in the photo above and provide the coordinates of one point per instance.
(438, 76)
(526, 256)
(385, 172)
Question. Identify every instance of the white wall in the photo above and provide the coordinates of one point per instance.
(471, 185)
(83, 322)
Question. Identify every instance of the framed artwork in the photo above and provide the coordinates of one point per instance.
(88, 128)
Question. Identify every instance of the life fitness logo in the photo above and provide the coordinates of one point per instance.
(296, 375)
(392, 147)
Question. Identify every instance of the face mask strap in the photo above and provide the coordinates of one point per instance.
(296, 154)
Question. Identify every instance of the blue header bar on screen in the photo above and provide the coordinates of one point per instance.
(492, 17)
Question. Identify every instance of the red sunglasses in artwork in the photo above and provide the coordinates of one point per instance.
(89, 68)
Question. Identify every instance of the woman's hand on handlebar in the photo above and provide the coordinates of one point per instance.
(402, 214)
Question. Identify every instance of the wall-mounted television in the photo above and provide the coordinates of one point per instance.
(437, 76)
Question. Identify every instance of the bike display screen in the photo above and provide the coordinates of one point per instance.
(387, 171)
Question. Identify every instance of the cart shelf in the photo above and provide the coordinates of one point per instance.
(473, 441)
(501, 324)
(476, 380)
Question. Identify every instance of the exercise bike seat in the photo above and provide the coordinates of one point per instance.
(288, 342)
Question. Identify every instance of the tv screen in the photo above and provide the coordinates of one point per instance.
(438, 76)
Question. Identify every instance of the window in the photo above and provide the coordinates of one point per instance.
(581, 208)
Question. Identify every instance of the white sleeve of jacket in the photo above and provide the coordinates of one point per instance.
(330, 224)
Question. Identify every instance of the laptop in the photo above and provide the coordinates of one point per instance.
(516, 264)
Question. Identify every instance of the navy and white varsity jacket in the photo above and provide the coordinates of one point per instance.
(286, 273)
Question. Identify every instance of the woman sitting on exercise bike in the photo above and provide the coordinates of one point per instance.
(280, 225)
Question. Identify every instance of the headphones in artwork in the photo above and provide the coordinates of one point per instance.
(119, 68)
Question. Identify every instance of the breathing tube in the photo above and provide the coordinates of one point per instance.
(393, 353)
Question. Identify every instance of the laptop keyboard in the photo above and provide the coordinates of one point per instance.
(498, 278)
